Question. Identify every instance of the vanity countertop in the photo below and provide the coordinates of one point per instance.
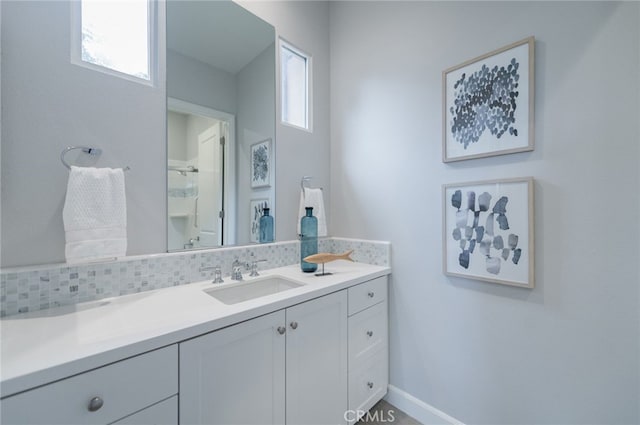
(48, 345)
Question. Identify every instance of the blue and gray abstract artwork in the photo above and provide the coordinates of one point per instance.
(485, 100)
(260, 163)
(484, 236)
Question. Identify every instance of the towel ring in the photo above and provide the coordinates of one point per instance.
(85, 149)
(303, 187)
(303, 181)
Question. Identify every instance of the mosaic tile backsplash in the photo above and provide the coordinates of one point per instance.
(28, 289)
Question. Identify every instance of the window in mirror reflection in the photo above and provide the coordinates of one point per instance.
(113, 36)
(294, 77)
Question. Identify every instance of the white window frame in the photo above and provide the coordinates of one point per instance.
(309, 85)
(152, 45)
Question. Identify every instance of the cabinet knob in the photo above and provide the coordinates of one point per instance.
(371, 294)
(370, 384)
(369, 334)
(281, 330)
(95, 404)
(294, 325)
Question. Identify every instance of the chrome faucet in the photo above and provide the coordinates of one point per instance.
(254, 267)
(236, 270)
(217, 277)
(217, 273)
(192, 243)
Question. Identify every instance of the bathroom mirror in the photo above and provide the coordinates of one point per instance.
(50, 102)
(221, 105)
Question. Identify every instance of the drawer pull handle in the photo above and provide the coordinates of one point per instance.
(281, 330)
(371, 294)
(369, 334)
(370, 384)
(95, 404)
(294, 325)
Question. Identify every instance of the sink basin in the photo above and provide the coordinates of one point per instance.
(245, 291)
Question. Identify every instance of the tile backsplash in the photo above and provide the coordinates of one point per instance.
(27, 289)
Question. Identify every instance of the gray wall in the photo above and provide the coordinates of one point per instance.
(300, 153)
(176, 131)
(197, 82)
(48, 104)
(256, 94)
(566, 351)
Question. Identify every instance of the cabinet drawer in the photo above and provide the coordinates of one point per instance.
(163, 413)
(367, 333)
(124, 387)
(367, 294)
(368, 382)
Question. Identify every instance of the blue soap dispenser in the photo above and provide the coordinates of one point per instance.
(266, 227)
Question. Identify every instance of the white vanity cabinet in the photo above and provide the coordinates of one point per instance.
(104, 395)
(289, 366)
(368, 345)
(236, 374)
(315, 355)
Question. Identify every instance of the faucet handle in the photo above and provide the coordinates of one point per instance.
(254, 267)
(236, 270)
(207, 268)
(217, 275)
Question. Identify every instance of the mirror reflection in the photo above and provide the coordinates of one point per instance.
(221, 105)
(197, 144)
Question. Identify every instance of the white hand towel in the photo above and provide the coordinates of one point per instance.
(313, 198)
(95, 214)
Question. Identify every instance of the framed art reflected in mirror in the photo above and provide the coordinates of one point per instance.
(261, 164)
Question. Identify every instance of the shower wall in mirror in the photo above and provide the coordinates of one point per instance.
(221, 101)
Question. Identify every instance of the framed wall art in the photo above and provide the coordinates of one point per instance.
(488, 104)
(261, 164)
(488, 231)
(255, 210)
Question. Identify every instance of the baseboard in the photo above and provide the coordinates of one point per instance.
(418, 409)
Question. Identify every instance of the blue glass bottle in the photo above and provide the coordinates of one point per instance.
(308, 240)
(266, 226)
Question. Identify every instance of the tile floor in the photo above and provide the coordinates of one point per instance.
(388, 414)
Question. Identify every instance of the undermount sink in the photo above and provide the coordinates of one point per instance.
(245, 291)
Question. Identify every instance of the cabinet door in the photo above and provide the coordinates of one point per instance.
(235, 375)
(317, 361)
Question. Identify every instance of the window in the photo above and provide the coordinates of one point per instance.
(295, 73)
(113, 37)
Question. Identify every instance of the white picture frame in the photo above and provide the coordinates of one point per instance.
(488, 231)
(488, 104)
(260, 166)
(256, 206)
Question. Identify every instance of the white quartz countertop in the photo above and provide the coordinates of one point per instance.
(45, 346)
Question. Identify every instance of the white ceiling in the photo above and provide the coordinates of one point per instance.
(219, 33)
